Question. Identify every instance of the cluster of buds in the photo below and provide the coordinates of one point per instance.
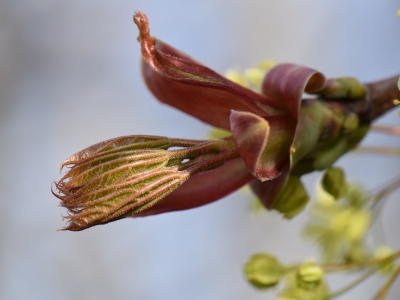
(305, 281)
(276, 137)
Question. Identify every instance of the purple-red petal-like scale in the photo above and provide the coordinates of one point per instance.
(179, 81)
(286, 84)
(263, 144)
(267, 191)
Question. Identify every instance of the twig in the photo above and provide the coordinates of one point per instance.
(359, 265)
(385, 289)
(378, 150)
(386, 129)
(352, 284)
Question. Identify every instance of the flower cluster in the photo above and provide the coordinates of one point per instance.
(340, 219)
(304, 281)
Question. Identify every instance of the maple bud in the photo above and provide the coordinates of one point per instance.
(343, 87)
(309, 275)
(334, 182)
(263, 271)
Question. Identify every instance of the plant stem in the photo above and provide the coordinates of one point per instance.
(352, 284)
(385, 289)
(387, 190)
(386, 129)
(350, 266)
(378, 150)
(212, 162)
(195, 148)
(378, 100)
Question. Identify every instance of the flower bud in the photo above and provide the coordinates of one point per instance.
(254, 76)
(292, 198)
(263, 271)
(236, 76)
(334, 182)
(351, 122)
(309, 275)
(382, 252)
(343, 87)
(266, 65)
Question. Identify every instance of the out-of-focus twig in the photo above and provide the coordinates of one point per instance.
(386, 129)
(378, 150)
(385, 289)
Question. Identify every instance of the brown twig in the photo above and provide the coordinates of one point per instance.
(378, 150)
(378, 100)
(385, 289)
(358, 265)
(386, 129)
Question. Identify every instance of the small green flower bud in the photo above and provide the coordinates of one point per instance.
(334, 182)
(263, 271)
(343, 87)
(351, 224)
(351, 122)
(236, 76)
(254, 76)
(358, 224)
(292, 198)
(266, 65)
(309, 275)
(382, 252)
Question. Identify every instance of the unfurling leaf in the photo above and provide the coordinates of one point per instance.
(124, 176)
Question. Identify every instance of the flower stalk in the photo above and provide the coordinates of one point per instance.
(358, 265)
(385, 289)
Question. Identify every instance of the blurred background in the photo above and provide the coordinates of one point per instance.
(70, 77)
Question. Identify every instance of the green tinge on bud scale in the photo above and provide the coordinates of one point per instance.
(118, 201)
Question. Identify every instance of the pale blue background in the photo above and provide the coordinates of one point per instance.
(69, 77)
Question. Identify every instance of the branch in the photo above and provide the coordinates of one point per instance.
(385, 289)
(377, 101)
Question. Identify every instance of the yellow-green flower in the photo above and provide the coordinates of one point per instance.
(382, 252)
(340, 227)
